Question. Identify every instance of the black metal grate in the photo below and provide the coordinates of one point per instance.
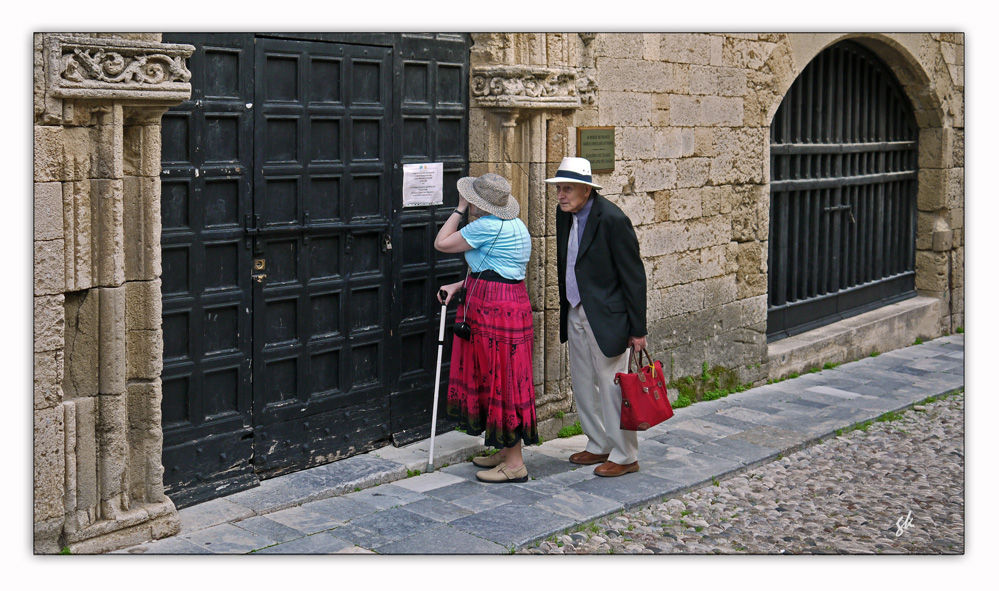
(843, 166)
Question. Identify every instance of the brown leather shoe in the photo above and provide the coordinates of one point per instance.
(585, 458)
(612, 469)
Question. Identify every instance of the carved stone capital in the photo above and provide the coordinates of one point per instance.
(529, 87)
(116, 69)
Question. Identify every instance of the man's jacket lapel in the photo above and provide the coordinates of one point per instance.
(592, 221)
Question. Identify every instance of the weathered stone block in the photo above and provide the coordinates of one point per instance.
(142, 146)
(713, 261)
(955, 188)
(634, 75)
(751, 285)
(654, 175)
(49, 317)
(142, 228)
(84, 451)
(931, 271)
(49, 463)
(82, 318)
(943, 240)
(684, 204)
(638, 143)
(725, 111)
(143, 305)
(48, 377)
(744, 53)
(77, 216)
(50, 267)
(690, 48)
(712, 231)
(663, 238)
(111, 335)
(957, 267)
(144, 354)
(112, 432)
(48, 153)
(108, 149)
(675, 268)
(932, 192)
(741, 154)
(79, 152)
(618, 45)
(625, 108)
(108, 232)
(640, 209)
(717, 81)
(692, 172)
(716, 200)
(684, 111)
(719, 291)
(48, 211)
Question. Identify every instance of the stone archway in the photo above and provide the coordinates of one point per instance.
(930, 70)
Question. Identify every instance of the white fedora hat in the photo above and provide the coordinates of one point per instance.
(574, 170)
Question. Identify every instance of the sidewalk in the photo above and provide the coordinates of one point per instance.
(367, 503)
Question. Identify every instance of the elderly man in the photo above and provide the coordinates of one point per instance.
(601, 282)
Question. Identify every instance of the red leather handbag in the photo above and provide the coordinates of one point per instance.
(644, 402)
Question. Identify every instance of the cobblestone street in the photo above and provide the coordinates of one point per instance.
(849, 495)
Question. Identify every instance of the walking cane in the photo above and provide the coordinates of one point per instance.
(437, 381)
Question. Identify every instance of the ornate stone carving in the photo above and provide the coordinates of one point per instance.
(86, 68)
(531, 87)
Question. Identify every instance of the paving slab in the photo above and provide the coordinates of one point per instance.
(513, 525)
(630, 490)
(443, 540)
(228, 539)
(304, 519)
(580, 506)
(387, 496)
(394, 524)
(737, 449)
(341, 509)
(438, 510)
(211, 513)
(322, 543)
(269, 528)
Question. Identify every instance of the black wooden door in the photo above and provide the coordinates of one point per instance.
(323, 220)
(207, 164)
(333, 279)
(843, 148)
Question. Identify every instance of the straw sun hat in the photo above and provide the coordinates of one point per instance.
(574, 170)
(490, 192)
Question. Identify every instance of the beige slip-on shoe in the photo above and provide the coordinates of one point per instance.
(488, 461)
(503, 473)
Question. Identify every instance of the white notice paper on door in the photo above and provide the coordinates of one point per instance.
(422, 184)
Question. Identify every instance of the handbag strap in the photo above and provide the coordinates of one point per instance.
(637, 360)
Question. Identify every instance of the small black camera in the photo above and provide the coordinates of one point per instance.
(463, 331)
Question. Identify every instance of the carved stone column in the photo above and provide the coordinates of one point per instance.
(98, 433)
(511, 106)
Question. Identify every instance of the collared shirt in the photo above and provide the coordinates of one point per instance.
(581, 217)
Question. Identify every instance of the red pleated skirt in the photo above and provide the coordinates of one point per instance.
(491, 385)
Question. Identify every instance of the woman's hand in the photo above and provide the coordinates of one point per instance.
(450, 290)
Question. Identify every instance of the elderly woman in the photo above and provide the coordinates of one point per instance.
(491, 386)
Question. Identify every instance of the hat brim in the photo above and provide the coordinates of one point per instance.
(510, 211)
(562, 179)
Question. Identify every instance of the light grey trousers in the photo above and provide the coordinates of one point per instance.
(598, 398)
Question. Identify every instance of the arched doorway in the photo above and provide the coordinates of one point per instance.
(843, 182)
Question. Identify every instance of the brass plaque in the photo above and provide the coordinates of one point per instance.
(596, 144)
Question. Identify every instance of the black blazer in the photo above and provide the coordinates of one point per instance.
(609, 273)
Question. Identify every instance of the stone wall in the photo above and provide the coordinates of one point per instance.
(691, 114)
(98, 337)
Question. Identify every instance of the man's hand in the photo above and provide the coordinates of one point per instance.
(637, 343)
